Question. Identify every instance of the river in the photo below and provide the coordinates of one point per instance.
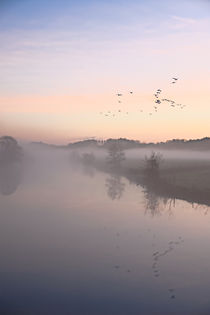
(79, 241)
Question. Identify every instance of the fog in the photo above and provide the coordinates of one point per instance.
(169, 154)
(41, 164)
(81, 233)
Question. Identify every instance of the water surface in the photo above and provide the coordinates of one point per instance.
(85, 242)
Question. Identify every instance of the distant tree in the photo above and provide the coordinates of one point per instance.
(10, 151)
(115, 155)
(152, 165)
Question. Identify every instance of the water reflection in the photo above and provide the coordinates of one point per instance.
(115, 187)
(10, 178)
(158, 255)
(156, 205)
(152, 205)
(67, 257)
(202, 208)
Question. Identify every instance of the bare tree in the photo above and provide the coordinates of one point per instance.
(152, 165)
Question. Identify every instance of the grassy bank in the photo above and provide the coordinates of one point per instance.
(185, 179)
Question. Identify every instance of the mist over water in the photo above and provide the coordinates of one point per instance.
(76, 240)
(107, 210)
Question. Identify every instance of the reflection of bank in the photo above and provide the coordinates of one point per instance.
(115, 187)
(10, 176)
(156, 204)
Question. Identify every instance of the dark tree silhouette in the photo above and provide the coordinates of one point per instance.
(10, 151)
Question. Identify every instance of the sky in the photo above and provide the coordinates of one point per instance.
(62, 62)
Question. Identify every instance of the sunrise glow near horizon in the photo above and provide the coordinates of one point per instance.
(63, 62)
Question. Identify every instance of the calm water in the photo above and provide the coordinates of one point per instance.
(81, 242)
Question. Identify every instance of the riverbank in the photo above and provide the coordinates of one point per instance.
(186, 179)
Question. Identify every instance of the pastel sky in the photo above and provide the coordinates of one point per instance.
(62, 63)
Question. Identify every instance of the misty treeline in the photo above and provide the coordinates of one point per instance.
(113, 161)
(157, 181)
(126, 144)
(202, 144)
(179, 177)
(114, 156)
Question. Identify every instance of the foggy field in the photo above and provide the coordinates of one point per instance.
(186, 169)
(183, 168)
(92, 220)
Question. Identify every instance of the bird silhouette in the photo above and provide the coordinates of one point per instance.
(174, 80)
(158, 101)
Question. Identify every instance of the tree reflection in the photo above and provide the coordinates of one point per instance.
(151, 179)
(9, 179)
(155, 205)
(152, 203)
(115, 187)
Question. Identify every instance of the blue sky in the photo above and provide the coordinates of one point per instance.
(45, 14)
(79, 32)
(90, 49)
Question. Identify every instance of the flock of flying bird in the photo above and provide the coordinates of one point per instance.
(157, 102)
